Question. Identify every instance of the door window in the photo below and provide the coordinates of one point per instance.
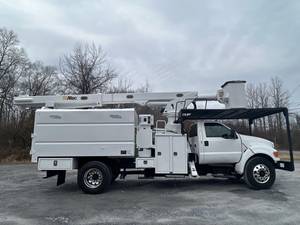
(216, 130)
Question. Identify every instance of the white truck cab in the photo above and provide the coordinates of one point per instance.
(215, 142)
(75, 132)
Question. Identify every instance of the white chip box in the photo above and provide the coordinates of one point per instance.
(65, 133)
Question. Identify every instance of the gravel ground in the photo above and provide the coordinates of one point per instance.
(26, 198)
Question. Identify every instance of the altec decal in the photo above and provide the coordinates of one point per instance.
(115, 116)
(69, 97)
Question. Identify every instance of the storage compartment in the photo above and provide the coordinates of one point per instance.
(145, 152)
(171, 154)
(144, 162)
(144, 132)
(57, 164)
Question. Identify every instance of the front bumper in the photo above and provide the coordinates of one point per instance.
(285, 165)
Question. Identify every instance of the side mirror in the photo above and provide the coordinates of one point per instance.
(226, 136)
(233, 134)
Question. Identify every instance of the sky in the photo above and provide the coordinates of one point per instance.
(175, 45)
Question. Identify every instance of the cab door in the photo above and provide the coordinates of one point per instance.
(220, 144)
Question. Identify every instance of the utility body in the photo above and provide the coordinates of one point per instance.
(81, 132)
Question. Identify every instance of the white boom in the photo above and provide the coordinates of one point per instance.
(98, 100)
(232, 94)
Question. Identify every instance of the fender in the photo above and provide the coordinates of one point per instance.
(254, 150)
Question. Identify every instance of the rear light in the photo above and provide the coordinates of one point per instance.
(276, 154)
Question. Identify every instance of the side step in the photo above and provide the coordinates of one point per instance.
(193, 169)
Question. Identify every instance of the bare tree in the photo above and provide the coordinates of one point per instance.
(252, 96)
(273, 95)
(39, 80)
(279, 98)
(85, 70)
(297, 121)
(263, 99)
(12, 61)
(144, 88)
(122, 86)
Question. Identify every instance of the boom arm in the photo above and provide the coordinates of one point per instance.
(98, 100)
(232, 94)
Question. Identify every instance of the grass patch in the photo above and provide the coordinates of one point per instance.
(14, 155)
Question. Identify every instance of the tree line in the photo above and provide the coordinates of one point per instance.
(86, 70)
(271, 95)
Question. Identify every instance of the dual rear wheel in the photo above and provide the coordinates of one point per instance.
(94, 177)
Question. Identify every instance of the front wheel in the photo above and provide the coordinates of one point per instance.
(259, 173)
(94, 177)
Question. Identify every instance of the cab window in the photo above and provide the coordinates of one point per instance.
(216, 130)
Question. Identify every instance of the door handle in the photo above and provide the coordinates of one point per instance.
(206, 143)
(175, 154)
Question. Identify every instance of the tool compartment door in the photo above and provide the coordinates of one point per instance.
(179, 155)
(162, 156)
(171, 154)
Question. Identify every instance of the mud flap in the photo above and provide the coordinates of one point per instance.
(61, 176)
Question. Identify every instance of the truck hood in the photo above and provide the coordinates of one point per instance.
(250, 141)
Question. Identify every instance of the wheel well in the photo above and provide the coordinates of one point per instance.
(263, 156)
(112, 163)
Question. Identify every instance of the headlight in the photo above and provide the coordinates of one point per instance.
(276, 154)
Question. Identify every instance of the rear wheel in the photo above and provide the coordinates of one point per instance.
(260, 173)
(94, 177)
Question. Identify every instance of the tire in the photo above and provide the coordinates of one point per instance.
(94, 177)
(259, 173)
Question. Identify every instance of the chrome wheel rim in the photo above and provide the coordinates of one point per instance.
(93, 178)
(261, 173)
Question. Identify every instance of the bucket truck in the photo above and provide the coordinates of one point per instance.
(91, 134)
